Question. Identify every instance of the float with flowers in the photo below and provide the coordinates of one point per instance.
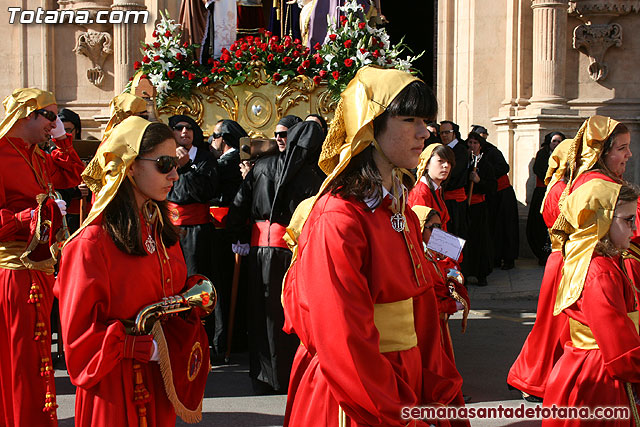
(260, 79)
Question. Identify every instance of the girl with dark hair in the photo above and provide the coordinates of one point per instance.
(537, 234)
(478, 251)
(357, 279)
(574, 162)
(124, 257)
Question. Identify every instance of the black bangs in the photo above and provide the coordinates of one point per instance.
(417, 100)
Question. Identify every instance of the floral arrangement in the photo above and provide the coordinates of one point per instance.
(350, 44)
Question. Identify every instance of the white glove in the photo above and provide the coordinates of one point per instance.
(459, 306)
(241, 249)
(62, 205)
(155, 356)
(58, 131)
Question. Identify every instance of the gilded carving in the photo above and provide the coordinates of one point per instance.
(593, 40)
(192, 107)
(223, 97)
(286, 99)
(96, 46)
(257, 77)
(258, 109)
(326, 103)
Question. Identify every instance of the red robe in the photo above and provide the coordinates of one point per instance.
(595, 378)
(22, 389)
(99, 286)
(422, 195)
(350, 258)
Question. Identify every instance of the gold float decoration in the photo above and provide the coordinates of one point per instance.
(192, 107)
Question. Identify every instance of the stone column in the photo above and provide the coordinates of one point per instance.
(126, 40)
(549, 52)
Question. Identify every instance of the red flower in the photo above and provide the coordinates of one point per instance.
(233, 47)
(250, 39)
(323, 73)
(130, 79)
(342, 18)
(215, 63)
(156, 44)
(254, 57)
(344, 23)
(154, 34)
(238, 53)
(280, 49)
(376, 53)
(179, 56)
(317, 80)
(185, 73)
(268, 33)
(144, 76)
(171, 74)
(157, 57)
(296, 54)
(300, 69)
(210, 61)
(374, 41)
(167, 33)
(214, 70)
(146, 59)
(333, 37)
(296, 41)
(276, 77)
(319, 60)
(317, 46)
(306, 51)
(287, 41)
(238, 66)
(185, 44)
(270, 57)
(348, 62)
(262, 31)
(225, 57)
(244, 46)
(252, 50)
(275, 39)
(306, 63)
(196, 63)
(286, 60)
(348, 43)
(205, 80)
(137, 65)
(362, 50)
(336, 75)
(191, 76)
(362, 25)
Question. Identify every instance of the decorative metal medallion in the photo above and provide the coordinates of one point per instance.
(150, 244)
(398, 222)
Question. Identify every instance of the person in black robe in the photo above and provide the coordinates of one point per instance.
(503, 208)
(537, 233)
(268, 197)
(478, 251)
(189, 203)
(454, 193)
(225, 146)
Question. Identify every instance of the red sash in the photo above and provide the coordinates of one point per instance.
(268, 234)
(539, 182)
(219, 214)
(191, 214)
(477, 198)
(503, 182)
(458, 195)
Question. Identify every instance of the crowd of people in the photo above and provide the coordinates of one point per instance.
(346, 305)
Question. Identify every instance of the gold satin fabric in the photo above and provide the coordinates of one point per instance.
(21, 103)
(10, 253)
(424, 160)
(395, 324)
(422, 212)
(588, 211)
(108, 168)
(123, 106)
(582, 337)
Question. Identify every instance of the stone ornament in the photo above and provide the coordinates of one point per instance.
(96, 46)
(593, 40)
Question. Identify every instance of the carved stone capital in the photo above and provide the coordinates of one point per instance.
(96, 46)
(603, 7)
(593, 40)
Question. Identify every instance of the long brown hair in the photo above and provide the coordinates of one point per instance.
(361, 178)
(121, 216)
(629, 193)
(600, 165)
(446, 153)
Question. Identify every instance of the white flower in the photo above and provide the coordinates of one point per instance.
(363, 58)
(155, 79)
(329, 57)
(163, 87)
(402, 64)
(351, 6)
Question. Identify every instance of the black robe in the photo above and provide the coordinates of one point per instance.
(537, 233)
(478, 251)
(459, 178)
(271, 191)
(503, 212)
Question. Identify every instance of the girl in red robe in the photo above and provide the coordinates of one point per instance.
(124, 257)
(600, 141)
(358, 267)
(598, 368)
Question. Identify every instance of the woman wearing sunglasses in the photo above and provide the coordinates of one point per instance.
(124, 257)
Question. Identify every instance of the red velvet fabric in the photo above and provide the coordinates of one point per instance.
(99, 286)
(595, 378)
(350, 258)
(22, 389)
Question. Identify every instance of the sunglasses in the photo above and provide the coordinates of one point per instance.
(216, 135)
(165, 164)
(180, 127)
(281, 134)
(432, 226)
(49, 115)
(446, 132)
(629, 220)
